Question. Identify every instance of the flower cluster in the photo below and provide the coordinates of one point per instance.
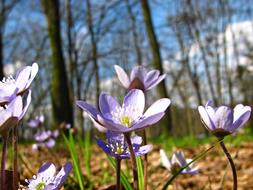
(45, 138)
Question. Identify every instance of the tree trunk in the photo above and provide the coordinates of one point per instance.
(94, 48)
(156, 58)
(2, 22)
(61, 104)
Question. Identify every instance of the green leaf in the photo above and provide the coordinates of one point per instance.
(140, 172)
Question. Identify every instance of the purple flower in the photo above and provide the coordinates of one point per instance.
(10, 87)
(177, 161)
(46, 178)
(12, 113)
(117, 147)
(140, 78)
(36, 122)
(129, 116)
(45, 139)
(223, 120)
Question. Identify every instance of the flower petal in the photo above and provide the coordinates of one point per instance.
(241, 116)
(108, 106)
(34, 71)
(134, 103)
(158, 107)
(22, 78)
(207, 120)
(144, 150)
(122, 76)
(136, 140)
(146, 122)
(88, 108)
(27, 103)
(156, 82)
(151, 77)
(164, 159)
(47, 169)
(223, 118)
(62, 175)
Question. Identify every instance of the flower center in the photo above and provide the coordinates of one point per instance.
(116, 148)
(126, 120)
(40, 186)
(7, 81)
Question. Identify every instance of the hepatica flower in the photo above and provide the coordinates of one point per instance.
(47, 179)
(139, 78)
(36, 122)
(176, 162)
(223, 120)
(128, 116)
(45, 139)
(117, 147)
(11, 87)
(12, 113)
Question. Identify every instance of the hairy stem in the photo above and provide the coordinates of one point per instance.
(4, 155)
(231, 163)
(133, 160)
(15, 157)
(118, 165)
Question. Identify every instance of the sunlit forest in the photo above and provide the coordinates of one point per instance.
(126, 94)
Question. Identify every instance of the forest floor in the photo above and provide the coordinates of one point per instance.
(214, 171)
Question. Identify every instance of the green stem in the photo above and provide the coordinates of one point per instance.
(187, 165)
(118, 164)
(231, 163)
(133, 160)
(145, 164)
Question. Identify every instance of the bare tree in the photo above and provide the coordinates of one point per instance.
(61, 105)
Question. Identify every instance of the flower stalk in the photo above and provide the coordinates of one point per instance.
(3, 161)
(225, 150)
(145, 163)
(118, 168)
(133, 160)
(15, 157)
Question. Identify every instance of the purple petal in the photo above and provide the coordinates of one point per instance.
(241, 116)
(138, 72)
(62, 175)
(151, 77)
(144, 150)
(50, 143)
(47, 169)
(88, 108)
(158, 107)
(122, 76)
(136, 140)
(108, 124)
(22, 78)
(164, 160)
(27, 103)
(98, 125)
(178, 157)
(223, 118)
(104, 147)
(108, 106)
(16, 106)
(134, 103)
(206, 118)
(34, 71)
(156, 82)
(147, 122)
